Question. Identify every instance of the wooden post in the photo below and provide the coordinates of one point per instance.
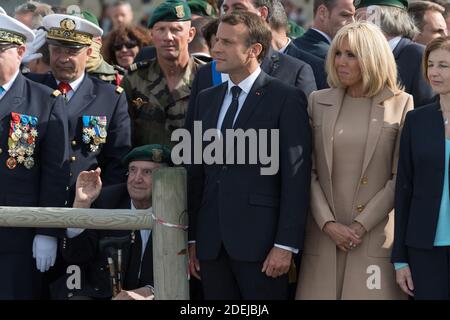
(170, 254)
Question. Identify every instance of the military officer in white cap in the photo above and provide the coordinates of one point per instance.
(33, 163)
(99, 125)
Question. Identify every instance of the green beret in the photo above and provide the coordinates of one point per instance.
(294, 30)
(202, 8)
(402, 4)
(89, 16)
(149, 152)
(170, 10)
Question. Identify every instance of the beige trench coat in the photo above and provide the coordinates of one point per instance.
(368, 271)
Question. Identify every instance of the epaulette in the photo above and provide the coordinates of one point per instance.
(122, 71)
(56, 93)
(139, 65)
(119, 89)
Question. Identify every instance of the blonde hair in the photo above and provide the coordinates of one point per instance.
(376, 61)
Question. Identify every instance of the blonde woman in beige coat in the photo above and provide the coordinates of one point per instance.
(356, 130)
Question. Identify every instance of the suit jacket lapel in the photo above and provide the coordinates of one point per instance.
(212, 113)
(80, 100)
(330, 114)
(251, 102)
(398, 49)
(376, 120)
(13, 97)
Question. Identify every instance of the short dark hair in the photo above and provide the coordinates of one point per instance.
(199, 40)
(264, 3)
(258, 32)
(209, 30)
(329, 4)
(417, 9)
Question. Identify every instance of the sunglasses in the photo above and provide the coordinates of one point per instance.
(129, 45)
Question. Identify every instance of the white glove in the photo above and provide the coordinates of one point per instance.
(73, 232)
(33, 47)
(44, 250)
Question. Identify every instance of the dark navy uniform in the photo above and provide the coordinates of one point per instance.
(96, 98)
(91, 248)
(41, 184)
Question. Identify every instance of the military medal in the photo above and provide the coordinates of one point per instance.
(21, 140)
(94, 131)
(11, 163)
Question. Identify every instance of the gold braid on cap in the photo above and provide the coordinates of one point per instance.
(68, 33)
(12, 37)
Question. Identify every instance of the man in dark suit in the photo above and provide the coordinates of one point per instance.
(99, 124)
(33, 163)
(278, 23)
(329, 17)
(399, 28)
(89, 249)
(290, 70)
(244, 225)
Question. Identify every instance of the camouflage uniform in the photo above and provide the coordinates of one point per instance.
(154, 111)
(108, 73)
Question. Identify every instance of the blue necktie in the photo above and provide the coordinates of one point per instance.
(2, 90)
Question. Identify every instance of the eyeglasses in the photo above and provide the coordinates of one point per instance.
(129, 45)
(4, 47)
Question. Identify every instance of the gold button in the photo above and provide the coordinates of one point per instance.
(73, 158)
(360, 208)
(67, 188)
(66, 202)
(70, 174)
(74, 143)
(364, 180)
(1, 150)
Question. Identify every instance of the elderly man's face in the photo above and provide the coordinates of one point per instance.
(68, 64)
(10, 57)
(139, 183)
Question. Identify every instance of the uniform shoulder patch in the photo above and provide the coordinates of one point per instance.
(56, 93)
(119, 89)
(139, 65)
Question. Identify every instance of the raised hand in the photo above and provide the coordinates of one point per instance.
(88, 187)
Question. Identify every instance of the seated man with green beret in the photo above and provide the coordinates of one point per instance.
(113, 263)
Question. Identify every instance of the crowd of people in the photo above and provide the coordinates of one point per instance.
(356, 108)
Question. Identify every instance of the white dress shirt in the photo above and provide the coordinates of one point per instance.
(283, 49)
(394, 42)
(74, 85)
(8, 85)
(246, 86)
